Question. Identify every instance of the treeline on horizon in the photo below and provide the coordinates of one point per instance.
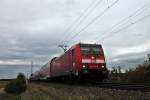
(140, 74)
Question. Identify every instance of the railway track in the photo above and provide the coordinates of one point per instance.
(123, 86)
(110, 85)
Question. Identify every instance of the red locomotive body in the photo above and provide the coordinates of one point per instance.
(81, 60)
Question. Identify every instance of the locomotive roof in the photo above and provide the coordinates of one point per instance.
(85, 45)
(91, 45)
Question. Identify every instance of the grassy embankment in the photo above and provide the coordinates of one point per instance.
(54, 92)
(3, 84)
(51, 91)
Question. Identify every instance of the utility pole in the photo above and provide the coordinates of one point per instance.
(108, 3)
(31, 67)
(148, 57)
(27, 79)
(64, 47)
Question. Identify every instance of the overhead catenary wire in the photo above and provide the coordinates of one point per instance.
(82, 19)
(92, 21)
(131, 23)
(77, 20)
(125, 20)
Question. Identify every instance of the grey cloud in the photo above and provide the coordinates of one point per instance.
(127, 63)
(128, 60)
(31, 29)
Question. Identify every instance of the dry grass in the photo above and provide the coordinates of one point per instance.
(3, 83)
(51, 91)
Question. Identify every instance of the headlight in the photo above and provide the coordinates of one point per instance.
(102, 66)
(83, 66)
(73, 64)
(92, 57)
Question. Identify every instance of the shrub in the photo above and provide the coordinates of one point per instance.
(17, 86)
(138, 75)
(22, 78)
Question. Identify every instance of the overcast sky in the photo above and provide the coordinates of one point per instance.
(32, 29)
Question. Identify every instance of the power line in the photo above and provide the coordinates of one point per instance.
(126, 20)
(132, 23)
(80, 16)
(101, 14)
(84, 17)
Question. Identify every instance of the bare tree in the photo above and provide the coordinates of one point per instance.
(148, 55)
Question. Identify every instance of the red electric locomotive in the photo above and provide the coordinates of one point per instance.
(80, 61)
(35, 76)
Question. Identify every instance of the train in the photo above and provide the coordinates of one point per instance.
(81, 61)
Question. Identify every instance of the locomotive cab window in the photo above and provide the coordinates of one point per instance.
(91, 50)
